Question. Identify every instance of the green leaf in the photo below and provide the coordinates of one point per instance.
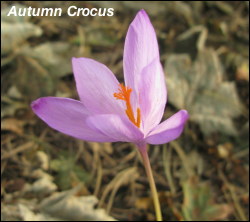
(67, 171)
(198, 204)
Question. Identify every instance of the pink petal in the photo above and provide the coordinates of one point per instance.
(168, 130)
(140, 49)
(117, 127)
(152, 95)
(67, 116)
(96, 85)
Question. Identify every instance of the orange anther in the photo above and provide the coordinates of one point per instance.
(124, 93)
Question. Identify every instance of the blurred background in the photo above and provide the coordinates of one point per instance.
(203, 175)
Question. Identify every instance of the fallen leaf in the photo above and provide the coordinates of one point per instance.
(225, 150)
(143, 203)
(242, 72)
(14, 35)
(10, 106)
(42, 186)
(29, 76)
(199, 87)
(67, 206)
(43, 160)
(54, 57)
(28, 214)
(14, 19)
(15, 30)
(13, 125)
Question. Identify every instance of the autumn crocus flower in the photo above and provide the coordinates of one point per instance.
(109, 111)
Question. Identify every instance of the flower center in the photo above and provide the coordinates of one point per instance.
(124, 94)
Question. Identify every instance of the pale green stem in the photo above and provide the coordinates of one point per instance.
(144, 154)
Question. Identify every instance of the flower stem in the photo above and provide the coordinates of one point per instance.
(144, 154)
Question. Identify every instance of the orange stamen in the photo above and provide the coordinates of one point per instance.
(138, 117)
(124, 93)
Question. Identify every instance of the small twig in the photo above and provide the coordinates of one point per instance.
(234, 196)
(167, 156)
(121, 178)
(98, 177)
(19, 149)
(242, 153)
(183, 157)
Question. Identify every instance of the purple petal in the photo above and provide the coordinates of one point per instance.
(67, 116)
(152, 96)
(140, 49)
(168, 130)
(96, 85)
(117, 127)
